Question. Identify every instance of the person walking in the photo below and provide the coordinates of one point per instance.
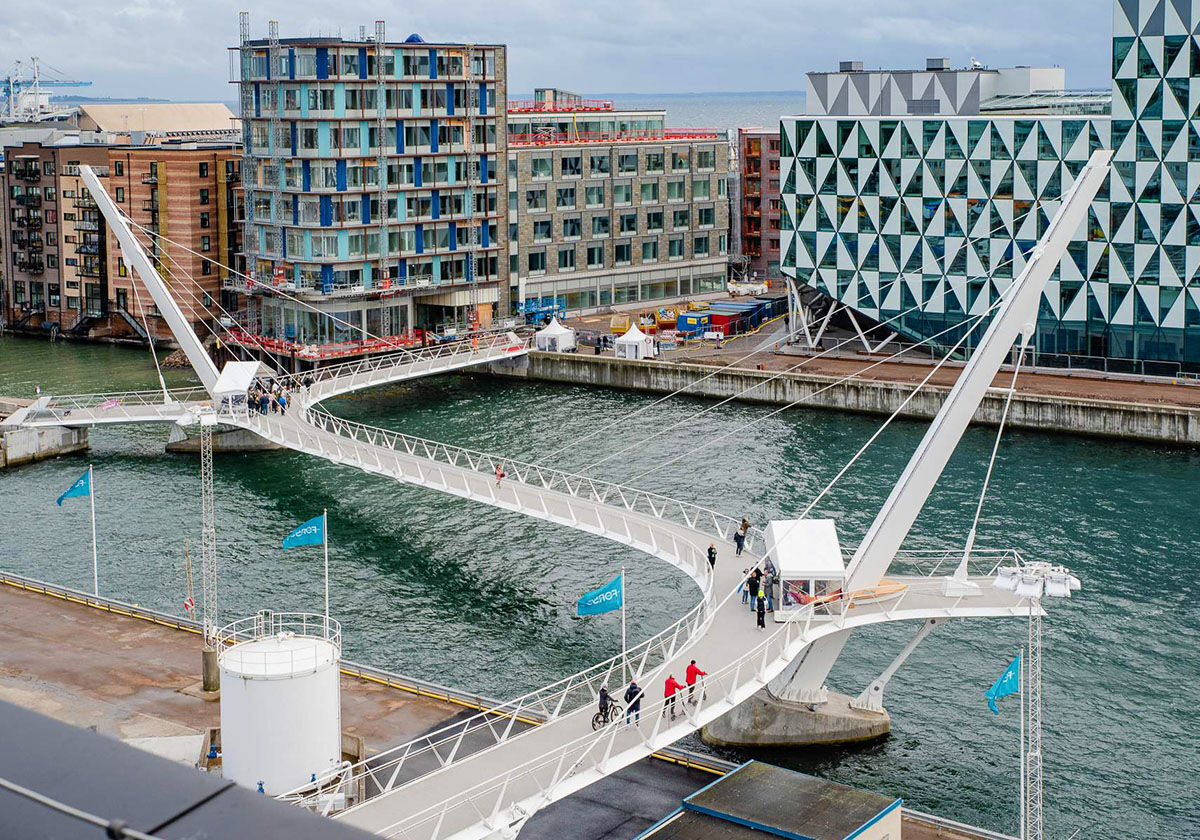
(712, 556)
(745, 587)
(693, 673)
(669, 689)
(762, 613)
(752, 585)
(633, 702)
(499, 474)
(283, 402)
(739, 539)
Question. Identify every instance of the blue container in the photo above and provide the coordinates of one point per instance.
(691, 322)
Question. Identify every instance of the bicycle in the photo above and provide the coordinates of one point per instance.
(602, 719)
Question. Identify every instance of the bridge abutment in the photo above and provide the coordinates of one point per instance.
(768, 721)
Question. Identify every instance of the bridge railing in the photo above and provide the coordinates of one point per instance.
(116, 404)
(515, 794)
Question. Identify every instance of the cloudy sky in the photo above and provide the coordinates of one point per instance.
(176, 48)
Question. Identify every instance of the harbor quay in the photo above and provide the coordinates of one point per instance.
(133, 674)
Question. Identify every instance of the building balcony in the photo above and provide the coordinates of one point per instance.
(31, 200)
(87, 249)
(27, 173)
(150, 179)
(30, 222)
(150, 205)
(85, 224)
(31, 266)
(88, 271)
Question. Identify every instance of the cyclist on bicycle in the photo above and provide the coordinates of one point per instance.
(605, 702)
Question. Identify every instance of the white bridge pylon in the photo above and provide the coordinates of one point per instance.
(485, 777)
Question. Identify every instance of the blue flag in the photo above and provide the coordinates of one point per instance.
(311, 532)
(605, 599)
(81, 487)
(1009, 683)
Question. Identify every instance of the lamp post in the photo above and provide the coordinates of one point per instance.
(1034, 581)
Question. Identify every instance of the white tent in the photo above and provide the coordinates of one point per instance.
(235, 380)
(555, 337)
(808, 557)
(635, 344)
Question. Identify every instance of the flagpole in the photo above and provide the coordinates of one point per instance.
(624, 664)
(95, 562)
(325, 533)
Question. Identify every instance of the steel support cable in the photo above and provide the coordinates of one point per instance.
(626, 417)
(113, 829)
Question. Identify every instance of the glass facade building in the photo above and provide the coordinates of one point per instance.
(923, 222)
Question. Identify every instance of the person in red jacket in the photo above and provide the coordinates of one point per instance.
(673, 685)
(693, 672)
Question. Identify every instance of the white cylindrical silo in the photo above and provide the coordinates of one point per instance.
(280, 700)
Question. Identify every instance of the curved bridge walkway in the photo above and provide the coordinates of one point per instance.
(486, 776)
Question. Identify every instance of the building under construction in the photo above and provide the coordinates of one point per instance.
(373, 187)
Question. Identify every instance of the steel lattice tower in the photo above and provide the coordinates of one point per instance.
(1034, 826)
(208, 535)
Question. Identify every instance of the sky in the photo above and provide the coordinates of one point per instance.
(176, 49)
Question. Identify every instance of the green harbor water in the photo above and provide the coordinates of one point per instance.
(481, 599)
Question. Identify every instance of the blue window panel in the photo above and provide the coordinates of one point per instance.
(341, 176)
(402, 271)
(449, 98)
(433, 135)
(483, 235)
(364, 133)
(326, 278)
(416, 172)
(326, 211)
(433, 64)
(305, 175)
(323, 138)
(295, 209)
(362, 62)
(366, 209)
(483, 169)
(294, 133)
(453, 236)
(291, 63)
(450, 170)
(304, 100)
(399, 137)
(483, 103)
(257, 102)
(322, 62)
(339, 99)
(420, 236)
(308, 244)
(366, 276)
(343, 239)
(437, 269)
(270, 69)
(437, 209)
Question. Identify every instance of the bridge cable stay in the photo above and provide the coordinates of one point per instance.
(150, 343)
(624, 418)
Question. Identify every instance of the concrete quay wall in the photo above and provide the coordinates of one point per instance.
(24, 446)
(1169, 424)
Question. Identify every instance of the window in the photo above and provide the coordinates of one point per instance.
(649, 192)
(723, 243)
(204, 220)
(650, 251)
(566, 259)
(540, 167)
(541, 231)
(204, 165)
(701, 189)
(654, 162)
(48, 167)
(566, 198)
(537, 262)
(705, 217)
(654, 221)
(623, 253)
(595, 196)
(700, 246)
(572, 228)
(204, 196)
(679, 161)
(513, 234)
(572, 167)
(118, 167)
(676, 190)
(705, 159)
(205, 267)
(52, 292)
(50, 193)
(535, 199)
(598, 166)
(680, 219)
(120, 194)
(675, 248)
(628, 223)
(627, 164)
(595, 256)
(722, 187)
(623, 193)
(205, 243)
(600, 226)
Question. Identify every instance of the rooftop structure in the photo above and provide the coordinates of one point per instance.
(193, 118)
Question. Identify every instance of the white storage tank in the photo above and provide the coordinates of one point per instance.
(281, 711)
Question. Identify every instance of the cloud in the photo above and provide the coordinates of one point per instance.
(178, 48)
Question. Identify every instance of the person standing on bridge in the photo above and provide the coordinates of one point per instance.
(762, 613)
(745, 587)
(672, 686)
(712, 556)
(693, 673)
(633, 702)
(752, 585)
(499, 474)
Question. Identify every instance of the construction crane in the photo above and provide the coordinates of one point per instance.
(22, 97)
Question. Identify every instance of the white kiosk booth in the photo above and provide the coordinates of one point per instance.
(808, 559)
(555, 337)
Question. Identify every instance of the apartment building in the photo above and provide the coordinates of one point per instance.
(374, 185)
(610, 208)
(185, 206)
(760, 203)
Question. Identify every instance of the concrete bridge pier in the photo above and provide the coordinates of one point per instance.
(225, 439)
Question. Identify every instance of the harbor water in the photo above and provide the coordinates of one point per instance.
(481, 599)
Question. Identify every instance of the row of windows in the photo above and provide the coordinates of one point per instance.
(541, 167)
(434, 97)
(312, 63)
(648, 192)
(601, 226)
(648, 251)
(333, 138)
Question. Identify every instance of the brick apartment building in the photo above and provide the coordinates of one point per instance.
(759, 212)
